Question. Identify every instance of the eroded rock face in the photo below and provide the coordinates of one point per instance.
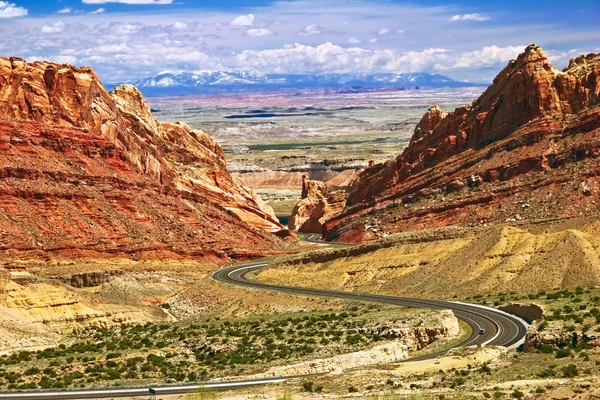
(521, 123)
(172, 153)
(317, 204)
(528, 312)
(84, 170)
(429, 121)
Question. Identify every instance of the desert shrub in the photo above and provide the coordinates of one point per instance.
(517, 394)
(562, 353)
(32, 371)
(546, 349)
(570, 371)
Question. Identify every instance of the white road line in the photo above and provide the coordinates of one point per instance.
(525, 324)
(248, 267)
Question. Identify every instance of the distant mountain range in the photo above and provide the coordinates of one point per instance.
(179, 82)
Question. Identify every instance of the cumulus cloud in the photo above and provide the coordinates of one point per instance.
(329, 57)
(469, 17)
(66, 10)
(180, 25)
(11, 10)
(243, 20)
(491, 56)
(57, 27)
(400, 31)
(61, 59)
(312, 29)
(354, 40)
(346, 22)
(384, 31)
(98, 11)
(128, 1)
(374, 40)
(259, 32)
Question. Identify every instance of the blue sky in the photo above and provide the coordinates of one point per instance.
(468, 40)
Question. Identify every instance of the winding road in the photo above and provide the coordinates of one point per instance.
(500, 329)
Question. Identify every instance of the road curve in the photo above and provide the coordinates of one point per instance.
(501, 329)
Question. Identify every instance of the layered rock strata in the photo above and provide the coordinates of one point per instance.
(524, 135)
(87, 173)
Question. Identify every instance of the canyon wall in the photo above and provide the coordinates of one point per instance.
(87, 173)
(520, 136)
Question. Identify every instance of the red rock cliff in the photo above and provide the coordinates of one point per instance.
(528, 104)
(84, 169)
(318, 203)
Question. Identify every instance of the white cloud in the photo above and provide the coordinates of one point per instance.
(66, 10)
(329, 57)
(57, 27)
(469, 17)
(180, 25)
(374, 40)
(312, 29)
(128, 1)
(400, 31)
(66, 59)
(259, 32)
(384, 31)
(55, 58)
(98, 11)
(354, 40)
(346, 22)
(243, 20)
(11, 10)
(491, 56)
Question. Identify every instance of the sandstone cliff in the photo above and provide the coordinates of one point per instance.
(521, 135)
(87, 173)
(318, 203)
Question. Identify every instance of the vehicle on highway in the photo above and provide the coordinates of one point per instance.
(482, 331)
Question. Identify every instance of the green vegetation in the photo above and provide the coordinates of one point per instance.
(170, 353)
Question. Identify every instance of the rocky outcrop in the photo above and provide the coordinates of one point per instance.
(429, 121)
(532, 119)
(558, 338)
(90, 278)
(4, 278)
(529, 312)
(317, 204)
(84, 171)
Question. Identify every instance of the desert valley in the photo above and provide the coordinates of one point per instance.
(376, 233)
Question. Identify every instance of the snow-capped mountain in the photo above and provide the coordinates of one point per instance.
(183, 82)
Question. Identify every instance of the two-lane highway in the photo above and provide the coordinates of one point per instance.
(489, 326)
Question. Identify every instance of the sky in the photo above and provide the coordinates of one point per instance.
(468, 40)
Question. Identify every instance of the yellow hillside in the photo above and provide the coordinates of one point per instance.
(500, 259)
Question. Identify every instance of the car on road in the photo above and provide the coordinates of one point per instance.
(482, 331)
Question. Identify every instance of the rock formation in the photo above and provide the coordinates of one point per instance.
(84, 172)
(533, 118)
(317, 204)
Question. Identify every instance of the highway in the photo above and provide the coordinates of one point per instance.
(138, 391)
(501, 329)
